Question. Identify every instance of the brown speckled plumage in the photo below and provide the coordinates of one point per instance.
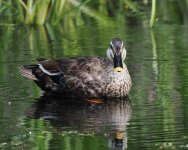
(81, 77)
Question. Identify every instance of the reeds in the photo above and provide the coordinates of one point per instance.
(32, 12)
(37, 12)
(54, 11)
(153, 13)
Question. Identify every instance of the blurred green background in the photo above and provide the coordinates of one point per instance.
(156, 58)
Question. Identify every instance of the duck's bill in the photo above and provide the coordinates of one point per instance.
(118, 65)
(118, 69)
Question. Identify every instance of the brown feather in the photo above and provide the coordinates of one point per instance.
(27, 73)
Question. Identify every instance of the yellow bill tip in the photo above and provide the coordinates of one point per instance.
(118, 69)
(120, 135)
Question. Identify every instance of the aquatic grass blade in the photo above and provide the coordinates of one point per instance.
(42, 11)
(153, 13)
(20, 11)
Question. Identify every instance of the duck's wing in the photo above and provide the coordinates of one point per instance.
(82, 64)
(47, 74)
(50, 67)
(83, 76)
(76, 74)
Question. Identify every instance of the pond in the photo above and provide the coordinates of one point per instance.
(154, 116)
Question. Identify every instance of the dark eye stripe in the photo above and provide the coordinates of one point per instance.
(111, 54)
(112, 48)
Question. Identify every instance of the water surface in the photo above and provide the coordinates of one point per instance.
(154, 116)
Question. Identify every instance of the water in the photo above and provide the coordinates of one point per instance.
(155, 116)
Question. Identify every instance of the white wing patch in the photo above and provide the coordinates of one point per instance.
(47, 72)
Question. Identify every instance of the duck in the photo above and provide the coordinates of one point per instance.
(83, 77)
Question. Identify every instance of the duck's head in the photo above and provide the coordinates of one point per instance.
(117, 53)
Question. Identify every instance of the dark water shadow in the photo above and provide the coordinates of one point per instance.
(109, 117)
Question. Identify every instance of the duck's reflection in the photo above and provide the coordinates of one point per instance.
(109, 117)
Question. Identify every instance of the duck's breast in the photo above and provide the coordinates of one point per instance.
(116, 84)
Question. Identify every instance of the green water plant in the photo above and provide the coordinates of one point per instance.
(39, 11)
(33, 11)
(153, 13)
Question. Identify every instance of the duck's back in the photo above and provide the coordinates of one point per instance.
(84, 76)
(95, 77)
(79, 77)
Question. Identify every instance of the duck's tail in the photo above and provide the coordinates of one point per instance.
(26, 71)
